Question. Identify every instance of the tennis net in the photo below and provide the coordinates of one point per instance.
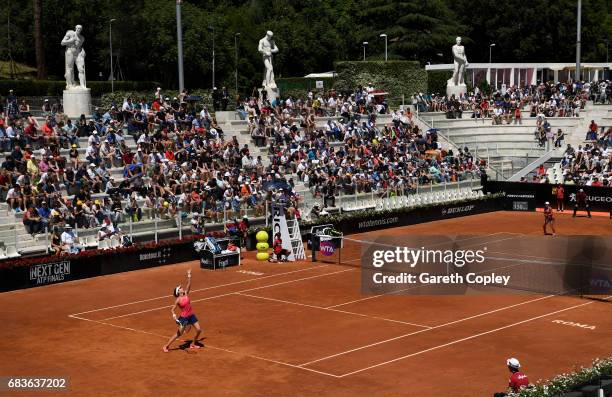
(574, 265)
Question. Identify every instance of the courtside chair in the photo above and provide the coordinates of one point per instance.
(90, 241)
(103, 244)
(114, 242)
(11, 252)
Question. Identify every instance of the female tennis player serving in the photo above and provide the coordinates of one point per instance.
(549, 219)
(187, 318)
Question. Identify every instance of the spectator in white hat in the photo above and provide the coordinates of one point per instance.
(518, 379)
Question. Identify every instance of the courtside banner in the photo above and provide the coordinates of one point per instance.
(521, 201)
(497, 264)
(53, 269)
(427, 213)
(521, 195)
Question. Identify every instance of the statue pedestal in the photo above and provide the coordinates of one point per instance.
(271, 94)
(456, 90)
(77, 101)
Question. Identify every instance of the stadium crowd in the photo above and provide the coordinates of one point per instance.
(180, 164)
(589, 165)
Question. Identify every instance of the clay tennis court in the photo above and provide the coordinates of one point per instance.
(303, 328)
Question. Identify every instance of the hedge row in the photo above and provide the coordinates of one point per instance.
(395, 77)
(56, 88)
(118, 97)
(436, 81)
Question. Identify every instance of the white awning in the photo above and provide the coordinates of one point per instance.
(326, 75)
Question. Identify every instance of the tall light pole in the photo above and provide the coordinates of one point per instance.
(385, 36)
(365, 43)
(578, 25)
(110, 42)
(179, 44)
(211, 29)
(236, 60)
(489, 70)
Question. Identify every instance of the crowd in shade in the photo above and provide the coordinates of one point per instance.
(354, 153)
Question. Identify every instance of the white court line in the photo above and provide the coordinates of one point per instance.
(201, 289)
(229, 293)
(425, 330)
(207, 346)
(464, 339)
(333, 310)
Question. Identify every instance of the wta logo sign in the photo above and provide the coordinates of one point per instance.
(327, 248)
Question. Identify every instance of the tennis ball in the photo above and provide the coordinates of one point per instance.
(261, 236)
(262, 247)
(262, 256)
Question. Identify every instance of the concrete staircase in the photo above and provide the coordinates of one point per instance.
(602, 114)
(13, 233)
(507, 147)
(239, 129)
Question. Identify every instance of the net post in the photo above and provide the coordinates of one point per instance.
(340, 252)
(313, 237)
(582, 281)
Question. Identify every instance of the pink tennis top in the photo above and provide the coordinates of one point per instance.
(185, 306)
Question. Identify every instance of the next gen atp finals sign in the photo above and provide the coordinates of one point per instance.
(49, 273)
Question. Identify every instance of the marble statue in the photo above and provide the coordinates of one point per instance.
(267, 47)
(75, 54)
(77, 97)
(460, 61)
(455, 86)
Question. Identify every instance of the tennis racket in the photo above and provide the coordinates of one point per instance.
(182, 327)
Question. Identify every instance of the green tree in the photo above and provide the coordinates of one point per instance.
(416, 30)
